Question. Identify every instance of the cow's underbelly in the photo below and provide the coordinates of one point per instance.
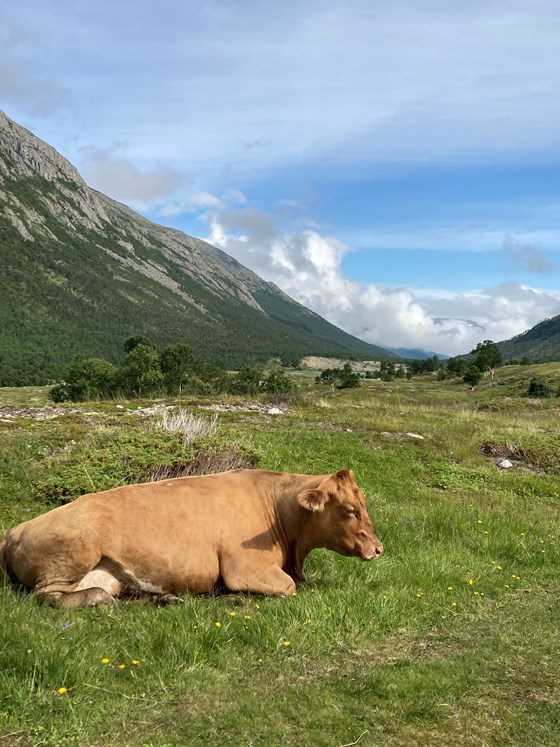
(152, 576)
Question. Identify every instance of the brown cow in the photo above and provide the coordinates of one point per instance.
(247, 530)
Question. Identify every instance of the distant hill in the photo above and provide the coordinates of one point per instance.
(417, 353)
(540, 344)
(81, 272)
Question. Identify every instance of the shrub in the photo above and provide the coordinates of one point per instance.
(277, 381)
(246, 381)
(538, 388)
(472, 375)
(86, 379)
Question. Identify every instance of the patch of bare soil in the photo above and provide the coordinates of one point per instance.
(9, 414)
(510, 455)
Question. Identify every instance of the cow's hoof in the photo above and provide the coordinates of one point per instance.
(163, 599)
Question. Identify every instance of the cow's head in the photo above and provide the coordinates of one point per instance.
(341, 521)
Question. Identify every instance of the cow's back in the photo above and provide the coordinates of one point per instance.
(172, 532)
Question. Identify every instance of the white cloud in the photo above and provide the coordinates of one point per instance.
(124, 181)
(19, 86)
(358, 82)
(526, 256)
(195, 200)
(307, 266)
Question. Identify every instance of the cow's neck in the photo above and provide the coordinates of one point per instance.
(289, 521)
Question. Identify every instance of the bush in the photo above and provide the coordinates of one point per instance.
(472, 375)
(246, 381)
(277, 381)
(538, 388)
(86, 379)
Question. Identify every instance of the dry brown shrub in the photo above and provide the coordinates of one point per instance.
(205, 463)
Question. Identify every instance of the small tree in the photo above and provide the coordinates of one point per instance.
(456, 366)
(488, 357)
(328, 376)
(247, 380)
(176, 364)
(432, 364)
(472, 376)
(141, 373)
(387, 371)
(277, 381)
(348, 379)
(131, 342)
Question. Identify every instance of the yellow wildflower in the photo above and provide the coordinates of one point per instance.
(471, 581)
(287, 643)
(105, 661)
(218, 624)
(233, 614)
(62, 690)
(122, 666)
(135, 663)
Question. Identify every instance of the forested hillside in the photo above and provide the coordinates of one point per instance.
(541, 343)
(81, 272)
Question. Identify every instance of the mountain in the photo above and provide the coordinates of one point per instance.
(82, 272)
(540, 344)
(417, 353)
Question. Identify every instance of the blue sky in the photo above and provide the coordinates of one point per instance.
(392, 165)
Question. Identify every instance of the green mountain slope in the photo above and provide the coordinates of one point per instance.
(81, 272)
(540, 344)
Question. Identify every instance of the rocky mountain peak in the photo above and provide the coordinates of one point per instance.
(30, 155)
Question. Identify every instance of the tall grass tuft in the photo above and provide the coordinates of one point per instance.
(191, 426)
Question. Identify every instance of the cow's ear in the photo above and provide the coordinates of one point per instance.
(344, 474)
(313, 500)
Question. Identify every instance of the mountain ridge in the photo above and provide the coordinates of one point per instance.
(83, 272)
(540, 343)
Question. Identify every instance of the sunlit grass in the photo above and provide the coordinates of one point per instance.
(450, 638)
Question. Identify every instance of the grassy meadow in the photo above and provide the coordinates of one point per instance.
(451, 638)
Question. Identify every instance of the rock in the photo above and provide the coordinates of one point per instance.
(415, 435)
(275, 411)
(505, 464)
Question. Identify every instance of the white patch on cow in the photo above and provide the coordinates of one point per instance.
(144, 586)
(103, 578)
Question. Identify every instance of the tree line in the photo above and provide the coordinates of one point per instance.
(174, 371)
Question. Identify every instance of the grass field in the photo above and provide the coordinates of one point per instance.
(451, 638)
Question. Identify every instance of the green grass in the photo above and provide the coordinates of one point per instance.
(451, 638)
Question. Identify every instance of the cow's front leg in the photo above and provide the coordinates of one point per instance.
(256, 575)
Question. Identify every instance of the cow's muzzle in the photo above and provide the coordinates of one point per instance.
(371, 551)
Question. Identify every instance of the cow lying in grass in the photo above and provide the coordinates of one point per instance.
(245, 530)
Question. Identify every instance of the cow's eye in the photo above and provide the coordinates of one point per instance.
(350, 511)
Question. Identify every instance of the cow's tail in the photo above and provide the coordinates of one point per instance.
(3, 558)
(6, 573)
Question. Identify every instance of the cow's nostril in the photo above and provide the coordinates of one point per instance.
(378, 550)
